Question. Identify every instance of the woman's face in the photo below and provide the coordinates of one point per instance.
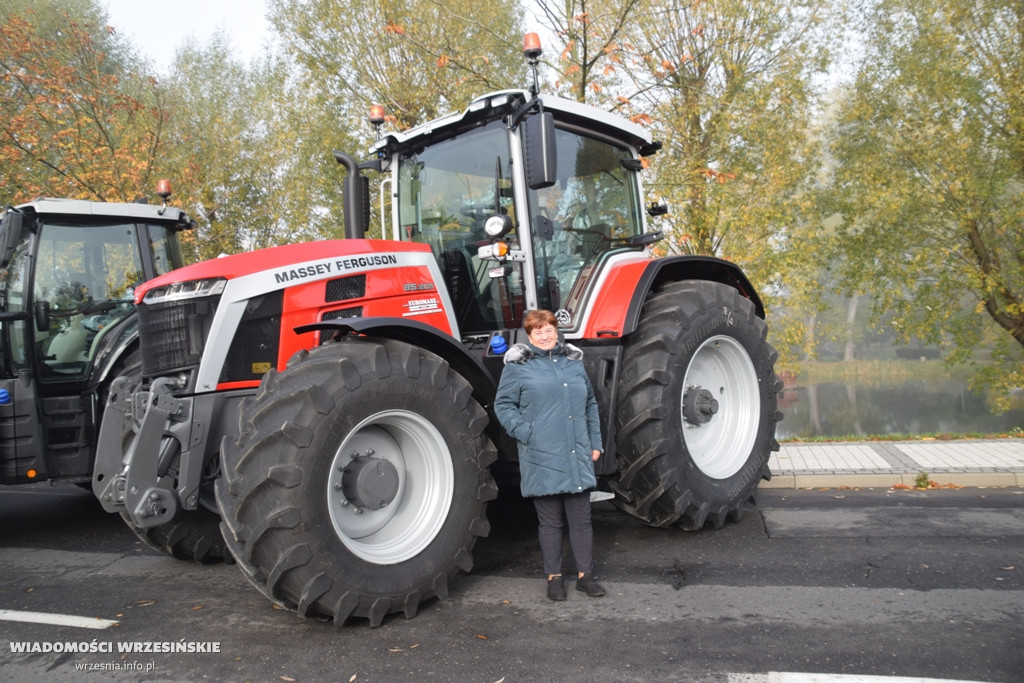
(544, 338)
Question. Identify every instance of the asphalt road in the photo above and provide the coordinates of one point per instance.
(885, 583)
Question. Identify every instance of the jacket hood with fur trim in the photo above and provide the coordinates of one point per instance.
(523, 353)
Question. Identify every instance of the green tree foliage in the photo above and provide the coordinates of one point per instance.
(419, 58)
(930, 174)
(234, 153)
(78, 117)
(729, 86)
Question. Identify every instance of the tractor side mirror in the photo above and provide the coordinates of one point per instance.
(655, 209)
(42, 311)
(538, 132)
(10, 236)
(554, 292)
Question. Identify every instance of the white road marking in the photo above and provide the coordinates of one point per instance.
(791, 677)
(56, 619)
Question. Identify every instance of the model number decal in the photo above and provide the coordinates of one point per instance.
(421, 306)
(413, 287)
(338, 266)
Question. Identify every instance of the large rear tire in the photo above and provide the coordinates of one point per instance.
(358, 483)
(698, 408)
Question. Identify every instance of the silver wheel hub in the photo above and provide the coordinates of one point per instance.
(699, 405)
(370, 482)
(390, 486)
(720, 407)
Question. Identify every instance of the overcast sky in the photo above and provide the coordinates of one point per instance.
(158, 28)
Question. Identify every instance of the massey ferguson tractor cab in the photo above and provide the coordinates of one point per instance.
(332, 401)
(68, 272)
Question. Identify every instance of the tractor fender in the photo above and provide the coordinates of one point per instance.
(619, 316)
(463, 360)
(115, 347)
(677, 268)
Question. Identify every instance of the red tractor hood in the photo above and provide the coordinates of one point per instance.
(277, 258)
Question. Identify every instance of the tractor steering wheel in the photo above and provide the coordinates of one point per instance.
(477, 212)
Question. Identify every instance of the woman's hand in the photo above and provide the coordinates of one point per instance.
(594, 455)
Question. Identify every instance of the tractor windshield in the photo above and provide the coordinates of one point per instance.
(447, 190)
(591, 211)
(445, 194)
(86, 276)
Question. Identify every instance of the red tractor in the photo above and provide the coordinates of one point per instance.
(332, 400)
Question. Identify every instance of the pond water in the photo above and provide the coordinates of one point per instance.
(835, 409)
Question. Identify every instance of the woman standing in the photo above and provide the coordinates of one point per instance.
(546, 403)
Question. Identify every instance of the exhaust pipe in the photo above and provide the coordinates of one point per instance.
(353, 197)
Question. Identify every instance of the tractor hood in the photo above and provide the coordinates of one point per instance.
(288, 263)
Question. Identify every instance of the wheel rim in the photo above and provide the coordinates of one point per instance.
(416, 477)
(720, 407)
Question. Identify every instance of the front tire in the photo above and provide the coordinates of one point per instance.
(192, 535)
(358, 483)
(696, 422)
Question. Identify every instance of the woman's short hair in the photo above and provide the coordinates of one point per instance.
(539, 318)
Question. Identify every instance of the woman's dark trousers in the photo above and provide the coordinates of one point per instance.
(555, 512)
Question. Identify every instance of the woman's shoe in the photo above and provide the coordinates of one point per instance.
(588, 585)
(556, 590)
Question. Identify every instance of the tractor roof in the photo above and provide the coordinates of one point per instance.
(496, 105)
(51, 206)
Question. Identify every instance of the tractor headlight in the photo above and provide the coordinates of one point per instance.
(498, 225)
(174, 324)
(179, 291)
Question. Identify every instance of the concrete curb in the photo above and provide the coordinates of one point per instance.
(884, 464)
(798, 480)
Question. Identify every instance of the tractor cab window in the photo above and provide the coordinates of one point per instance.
(86, 278)
(445, 194)
(590, 212)
(15, 300)
(166, 250)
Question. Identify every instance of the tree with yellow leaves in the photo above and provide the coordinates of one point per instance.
(75, 119)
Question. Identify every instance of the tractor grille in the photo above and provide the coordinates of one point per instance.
(172, 334)
(340, 314)
(356, 312)
(346, 288)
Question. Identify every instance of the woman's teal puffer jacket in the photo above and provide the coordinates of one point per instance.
(546, 403)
